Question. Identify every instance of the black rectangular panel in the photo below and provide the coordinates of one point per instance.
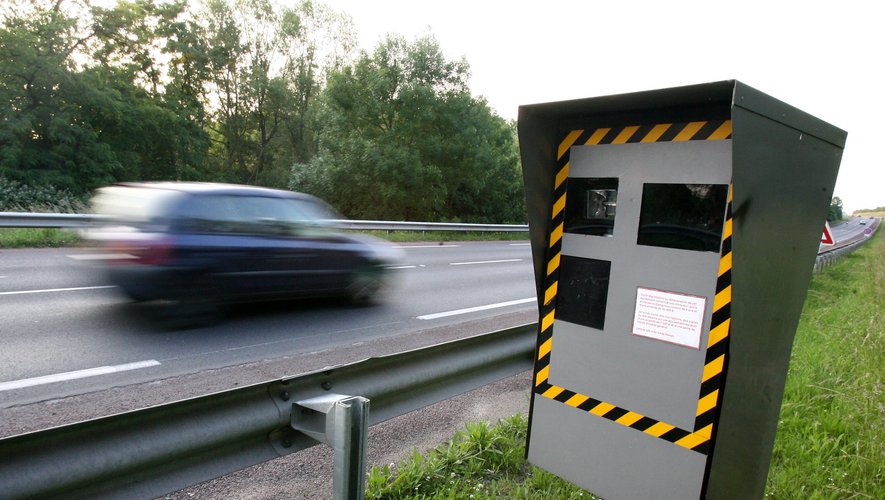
(683, 216)
(583, 291)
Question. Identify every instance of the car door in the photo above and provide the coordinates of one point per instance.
(218, 239)
(336, 255)
(315, 258)
(278, 262)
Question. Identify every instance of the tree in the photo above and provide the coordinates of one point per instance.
(82, 97)
(264, 74)
(327, 44)
(44, 138)
(404, 139)
(835, 212)
(151, 62)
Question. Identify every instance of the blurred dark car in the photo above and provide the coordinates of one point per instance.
(199, 245)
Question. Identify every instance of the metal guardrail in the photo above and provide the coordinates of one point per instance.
(430, 226)
(39, 220)
(82, 221)
(147, 453)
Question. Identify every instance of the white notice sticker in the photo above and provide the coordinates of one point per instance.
(671, 317)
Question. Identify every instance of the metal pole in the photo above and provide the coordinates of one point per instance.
(341, 422)
(350, 435)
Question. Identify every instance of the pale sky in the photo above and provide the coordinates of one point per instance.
(824, 58)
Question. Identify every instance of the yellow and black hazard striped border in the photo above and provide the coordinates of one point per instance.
(698, 439)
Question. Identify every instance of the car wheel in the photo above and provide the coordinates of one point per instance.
(366, 285)
(134, 296)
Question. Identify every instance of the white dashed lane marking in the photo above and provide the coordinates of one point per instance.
(484, 262)
(476, 309)
(66, 376)
(52, 290)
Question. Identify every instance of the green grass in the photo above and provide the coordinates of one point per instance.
(830, 436)
(480, 462)
(37, 238)
(419, 236)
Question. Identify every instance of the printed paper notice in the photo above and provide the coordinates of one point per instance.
(671, 317)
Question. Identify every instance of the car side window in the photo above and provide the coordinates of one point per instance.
(268, 216)
(210, 214)
(232, 214)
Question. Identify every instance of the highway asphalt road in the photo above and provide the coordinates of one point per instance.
(849, 231)
(66, 331)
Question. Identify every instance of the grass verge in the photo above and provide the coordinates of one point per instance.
(420, 236)
(480, 462)
(829, 442)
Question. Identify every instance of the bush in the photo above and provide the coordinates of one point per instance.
(18, 197)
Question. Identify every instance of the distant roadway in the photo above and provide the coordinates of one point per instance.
(851, 230)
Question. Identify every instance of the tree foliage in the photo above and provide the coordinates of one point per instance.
(81, 105)
(248, 91)
(263, 77)
(43, 136)
(869, 210)
(835, 211)
(404, 139)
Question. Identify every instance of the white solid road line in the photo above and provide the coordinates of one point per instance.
(477, 308)
(62, 377)
(49, 290)
(483, 262)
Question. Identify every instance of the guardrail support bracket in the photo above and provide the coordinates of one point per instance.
(341, 422)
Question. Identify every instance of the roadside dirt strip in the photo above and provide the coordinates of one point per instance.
(306, 474)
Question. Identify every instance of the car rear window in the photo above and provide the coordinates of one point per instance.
(133, 204)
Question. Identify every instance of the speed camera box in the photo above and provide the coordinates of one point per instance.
(673, 235)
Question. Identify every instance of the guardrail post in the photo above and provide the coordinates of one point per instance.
(341, 422)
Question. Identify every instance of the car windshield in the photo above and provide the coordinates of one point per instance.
(316, 210)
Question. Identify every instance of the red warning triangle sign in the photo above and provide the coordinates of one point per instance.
(827, 237)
